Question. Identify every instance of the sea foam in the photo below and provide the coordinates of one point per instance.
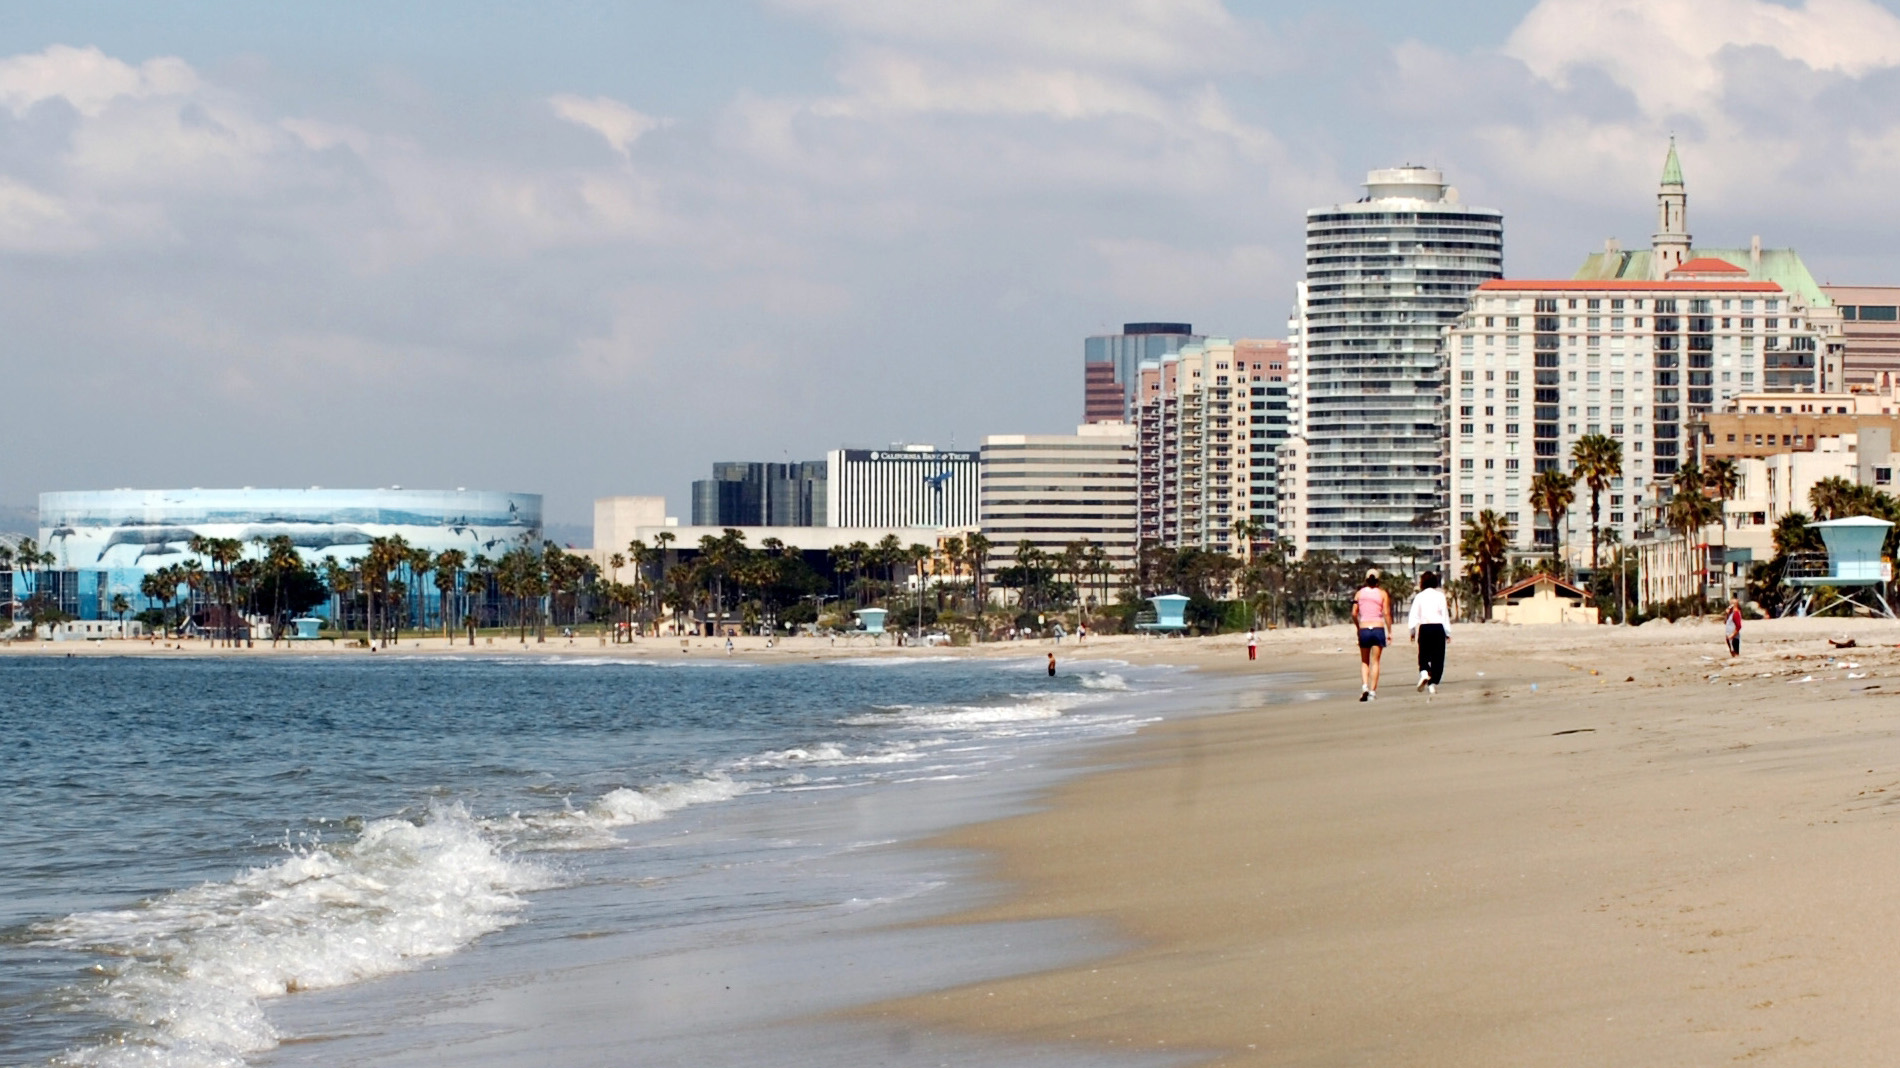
(200, 962)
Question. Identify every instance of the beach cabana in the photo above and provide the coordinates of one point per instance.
(871, 619)
(1168, 617)
(1544, 599)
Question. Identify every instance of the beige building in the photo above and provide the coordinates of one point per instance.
(1542, 601)
(1870, 330)
(619, 521)
(1051, 489)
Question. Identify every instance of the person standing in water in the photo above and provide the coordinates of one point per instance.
(1052, 665)
(1372, 614)
(1732, 626)
(1430, 624)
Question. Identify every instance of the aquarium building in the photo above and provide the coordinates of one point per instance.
(107, 541)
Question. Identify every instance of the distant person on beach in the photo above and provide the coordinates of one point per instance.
(1052, 665)
(1430, 623)
(1732, 625)
(1372, 614)
(728, 645)
(1253, 646)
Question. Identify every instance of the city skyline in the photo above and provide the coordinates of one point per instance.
(389, 248)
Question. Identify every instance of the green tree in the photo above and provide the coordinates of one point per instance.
(1552, 493)
(1596, 459)
(1485, 545)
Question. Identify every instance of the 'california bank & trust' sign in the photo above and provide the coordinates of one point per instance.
(918, 457)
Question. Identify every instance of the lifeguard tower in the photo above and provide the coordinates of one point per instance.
(1851, 567)
(1169, 615)
(872, 620)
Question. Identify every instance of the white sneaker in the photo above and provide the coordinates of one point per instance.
(1432, 689)
(1424, 680)
(1372, 695)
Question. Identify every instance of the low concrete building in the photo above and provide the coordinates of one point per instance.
(1543, 600)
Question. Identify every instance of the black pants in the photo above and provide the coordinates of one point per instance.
(1431, 651)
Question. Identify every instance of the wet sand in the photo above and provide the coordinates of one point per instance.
(1676, 860)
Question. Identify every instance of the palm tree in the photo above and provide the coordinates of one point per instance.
(1596, 459)
(1722, 476)
(1485, 545)
(447, 566)
(1552, 493)
(120, 606)
(976, 549)
(160, 587)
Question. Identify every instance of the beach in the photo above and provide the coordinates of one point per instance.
(1593, 846)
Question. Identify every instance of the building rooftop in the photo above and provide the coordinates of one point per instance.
(1779, 265)
(1708, 265)
(1627, 284)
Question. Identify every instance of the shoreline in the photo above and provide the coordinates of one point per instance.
(1547, 864)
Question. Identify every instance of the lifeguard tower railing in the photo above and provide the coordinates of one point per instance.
(1852, 568)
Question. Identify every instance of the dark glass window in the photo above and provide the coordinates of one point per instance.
(1878, 313)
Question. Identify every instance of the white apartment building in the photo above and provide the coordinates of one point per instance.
(1051, 489)
(1211, 418)
(1535, 365)
(1384, 275)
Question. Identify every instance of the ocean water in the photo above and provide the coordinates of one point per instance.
(203, 858)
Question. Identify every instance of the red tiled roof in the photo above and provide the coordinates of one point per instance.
(1709, 265)
(1542, 577)
(1620, 285)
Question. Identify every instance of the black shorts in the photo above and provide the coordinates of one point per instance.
(1371, 637)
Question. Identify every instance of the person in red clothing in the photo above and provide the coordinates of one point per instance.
(1253, 646)
(1732, 625)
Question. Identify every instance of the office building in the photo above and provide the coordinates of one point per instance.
(1384, 276)
(1052, 489)
(1870, 334)
(128, 534)
(1111, 365)
(1209, 419)
(762, 495)
(903, 486)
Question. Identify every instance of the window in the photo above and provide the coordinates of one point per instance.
(1466, 464)
(1466, 393)
(1883, 476)
(1510, 392)
(1510, 376)
(1464, 498)
(1510, 465)
(1879, 313)
(1510, 322)
(1490, 464)
(1466, 376)
(1616, 304)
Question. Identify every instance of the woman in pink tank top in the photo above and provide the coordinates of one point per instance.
(1372, 614)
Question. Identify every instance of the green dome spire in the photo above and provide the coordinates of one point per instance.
(1672, 168)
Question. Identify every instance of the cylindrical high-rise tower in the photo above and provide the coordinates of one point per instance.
(1384, 276)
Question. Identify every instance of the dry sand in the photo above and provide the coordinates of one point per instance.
(1698, 866)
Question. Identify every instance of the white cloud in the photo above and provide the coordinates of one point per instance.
(88, 79)
(1166, 37)
(1669, 52)
(617, 123)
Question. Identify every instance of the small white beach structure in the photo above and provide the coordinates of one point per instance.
(871, 619)
(1853, 567)
(1169, 615)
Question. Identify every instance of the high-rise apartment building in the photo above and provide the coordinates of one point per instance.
(1641, 347)
(1210, 419)
(1053, 489)
(761, 495)
(1111, 364)
(1384, 275)
(903, 486)
(1538, 364)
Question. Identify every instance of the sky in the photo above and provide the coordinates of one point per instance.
(589, 248)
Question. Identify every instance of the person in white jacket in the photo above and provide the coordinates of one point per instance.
(1430, 624)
